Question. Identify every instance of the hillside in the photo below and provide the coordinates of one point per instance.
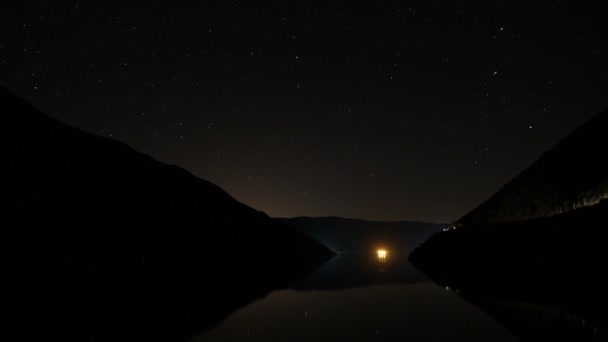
(573, 174)
(540, 240)
(557, 263)
(348, 235)
(104, 243)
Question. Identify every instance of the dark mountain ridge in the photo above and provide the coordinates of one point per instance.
(539, 242)
(101, 242)
(351, 235)
(573, 174)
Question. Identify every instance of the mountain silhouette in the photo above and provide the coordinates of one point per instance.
(571, 175)
(350, 235)
(101, 242)
(357, 242)
(540, 240)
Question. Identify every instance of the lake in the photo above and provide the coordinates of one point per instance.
(360, 296)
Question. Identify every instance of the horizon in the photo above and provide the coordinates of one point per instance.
(322, 216)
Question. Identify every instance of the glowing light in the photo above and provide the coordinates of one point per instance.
(381, 254)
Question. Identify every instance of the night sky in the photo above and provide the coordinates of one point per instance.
(385, 110)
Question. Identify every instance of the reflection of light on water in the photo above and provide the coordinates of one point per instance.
(381, 259)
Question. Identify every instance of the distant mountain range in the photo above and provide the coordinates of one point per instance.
(541, 240)
(350, 235)
(105, 243)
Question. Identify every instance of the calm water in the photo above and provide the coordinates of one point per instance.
(361, 297)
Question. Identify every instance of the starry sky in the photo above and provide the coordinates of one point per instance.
(384, 110)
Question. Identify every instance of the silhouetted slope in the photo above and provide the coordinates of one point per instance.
(542, 238)
(342, 234)
(102, 241)
(557, 262)
(573, 174)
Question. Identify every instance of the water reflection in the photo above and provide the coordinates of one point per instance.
(347, 299)
(352, 270)
(532, 321)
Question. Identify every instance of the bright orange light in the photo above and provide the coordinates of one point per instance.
(381, 254)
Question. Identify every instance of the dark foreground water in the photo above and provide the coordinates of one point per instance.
(357, 297)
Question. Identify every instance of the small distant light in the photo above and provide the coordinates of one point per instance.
(382, 254)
